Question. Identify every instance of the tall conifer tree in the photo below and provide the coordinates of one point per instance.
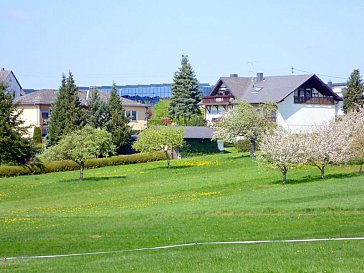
(118, 123)
(66, 114)
(99, 113)
(185, 93)
(353, 97)
(14, 147)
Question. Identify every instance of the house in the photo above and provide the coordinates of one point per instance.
(37, 107)
(304, 101)
(339, 89)
(8, 78)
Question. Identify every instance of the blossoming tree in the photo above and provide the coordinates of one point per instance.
(283, 151)
(245, 121)
(328, 144)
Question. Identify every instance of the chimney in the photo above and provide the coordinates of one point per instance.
(260, 77)
(234, 75)
(329, 84)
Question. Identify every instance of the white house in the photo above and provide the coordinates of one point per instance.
(304, 101)
(339, 89)
(8, 78)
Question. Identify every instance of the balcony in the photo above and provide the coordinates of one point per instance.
(217, 100)
(314, 100)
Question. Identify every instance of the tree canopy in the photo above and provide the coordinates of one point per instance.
(160, 114)
(15, 148)
(185, 94)
(81, 145)
(98, 115)
(118, 126)
(246, 121)
(353, 97)
(67, 114)
(283, 151)
(160, 138)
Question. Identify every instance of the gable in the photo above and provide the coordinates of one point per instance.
(273, 88)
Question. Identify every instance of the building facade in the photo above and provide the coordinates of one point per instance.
(37, 108)
(303, 101)
(147, 93)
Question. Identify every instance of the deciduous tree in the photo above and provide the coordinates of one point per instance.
(81, 145)
(160, 138)
(283, 151)
(328, 144)
(246, 121)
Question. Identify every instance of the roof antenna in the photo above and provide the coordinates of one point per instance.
(251, 64)
(292, 70)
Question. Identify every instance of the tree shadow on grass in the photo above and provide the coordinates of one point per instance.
(315, 178)
(171, 168)
(93, 179)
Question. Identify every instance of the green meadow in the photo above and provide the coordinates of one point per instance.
(224, 197)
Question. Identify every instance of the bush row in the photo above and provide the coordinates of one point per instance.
(68, 165)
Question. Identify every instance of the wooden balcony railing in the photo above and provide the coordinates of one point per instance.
(314, 100)
(217, 100)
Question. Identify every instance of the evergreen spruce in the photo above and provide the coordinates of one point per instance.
(353, 97)
(118, 123)
(185, 94)
(99, 113)
(67, 114)
(14, 147)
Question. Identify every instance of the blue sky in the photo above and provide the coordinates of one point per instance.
(136, 41)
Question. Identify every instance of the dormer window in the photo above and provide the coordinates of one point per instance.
(257, 89)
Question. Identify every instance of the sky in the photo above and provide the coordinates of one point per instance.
(141, 42)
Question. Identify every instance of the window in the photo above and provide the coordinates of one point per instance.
(132, 115)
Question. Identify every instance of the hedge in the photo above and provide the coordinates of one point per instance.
(194, 147)
(68, 165)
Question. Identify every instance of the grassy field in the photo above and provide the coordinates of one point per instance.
(223, 197)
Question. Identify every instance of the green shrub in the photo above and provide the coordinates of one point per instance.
(39, 148)
(194, 147)
(68, 165)
(243, 145)
(37, 135)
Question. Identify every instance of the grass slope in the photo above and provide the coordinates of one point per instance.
(223, 197)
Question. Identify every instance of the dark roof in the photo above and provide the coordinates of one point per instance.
(48, 96)
(271, 88)
(198, 132)
(195, 131)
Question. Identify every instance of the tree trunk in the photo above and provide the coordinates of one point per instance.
(284, 175)
(361, 169)
(252, 146)
(82, 167)
(168, 158)
(322, 171)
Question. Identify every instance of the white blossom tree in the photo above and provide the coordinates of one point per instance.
(247, 121)
(354, 121)
(328, 144)
(283, 151)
